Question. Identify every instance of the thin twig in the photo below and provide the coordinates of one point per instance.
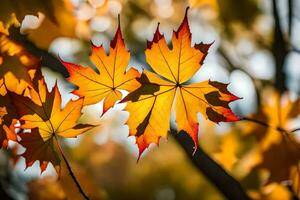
(294, 130)
(278, 128)
(231, 65)
(256, 121)
(71, 172)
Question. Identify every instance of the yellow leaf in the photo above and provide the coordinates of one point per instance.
(150, 105)
(279, 148)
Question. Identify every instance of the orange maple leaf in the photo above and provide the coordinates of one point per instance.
(7, 121)
(42, 114)
(8, 114)
(277, 144)
(111, 78)
(17, 64)
(16, 70)
(150, 105)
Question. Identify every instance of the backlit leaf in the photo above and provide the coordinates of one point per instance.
(110, 78)
(280, 149)
(7, 121)
(150, 105)
(42, 114)
(17, 66)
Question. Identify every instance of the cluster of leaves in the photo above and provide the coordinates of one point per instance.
(26, 104)
(32, 116)
(150, 100)
(152, 94)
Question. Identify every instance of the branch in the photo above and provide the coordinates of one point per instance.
(230, 63)
(256, 121)
(279, 50)
(225, 183)
(290, 18)
(262, 123)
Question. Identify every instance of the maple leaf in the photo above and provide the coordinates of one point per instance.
(112, 78)
(277, 112)
(7, 122)
(14, 75)
(150, 105)
(8, 113)
(42, 114)
(16, 70)
(17, 66)
(37, 149)
(279, 148)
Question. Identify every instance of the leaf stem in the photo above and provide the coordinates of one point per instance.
(71, 172)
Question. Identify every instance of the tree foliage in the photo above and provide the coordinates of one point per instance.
(256, 156)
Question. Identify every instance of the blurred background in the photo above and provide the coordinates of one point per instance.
(256, 49)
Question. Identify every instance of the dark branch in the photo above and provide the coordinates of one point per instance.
(231, 66)
(279, 50)
(256, 121)
(262, 123)
(225, 183)
(290, 18)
